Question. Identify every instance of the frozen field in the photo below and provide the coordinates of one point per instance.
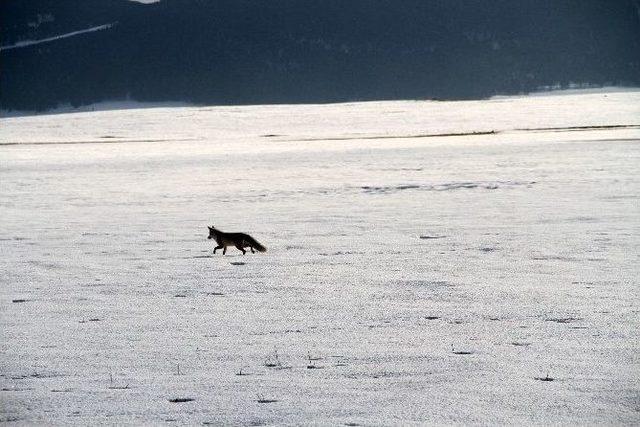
(485, 278)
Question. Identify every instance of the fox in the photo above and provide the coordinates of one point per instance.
(239, 240)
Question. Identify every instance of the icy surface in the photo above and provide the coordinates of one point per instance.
(410, 278)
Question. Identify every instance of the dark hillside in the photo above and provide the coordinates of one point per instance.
(291, 51)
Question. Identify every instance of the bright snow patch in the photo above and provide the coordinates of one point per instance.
(25, 43)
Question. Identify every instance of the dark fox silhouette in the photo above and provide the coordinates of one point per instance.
(239, 240)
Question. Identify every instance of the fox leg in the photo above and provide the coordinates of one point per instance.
(246, 244)
(224, 250)
(240, 248)
(216, 248)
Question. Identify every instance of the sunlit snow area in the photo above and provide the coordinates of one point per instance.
(428, 263)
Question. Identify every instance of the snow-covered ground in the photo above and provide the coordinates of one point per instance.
(484, 278)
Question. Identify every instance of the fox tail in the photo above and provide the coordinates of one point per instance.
(253, 242)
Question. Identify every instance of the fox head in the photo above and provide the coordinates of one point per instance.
(212, 232)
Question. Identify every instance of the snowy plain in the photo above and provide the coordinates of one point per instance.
(428, 263)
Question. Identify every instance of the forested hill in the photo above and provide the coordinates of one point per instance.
(293, 51)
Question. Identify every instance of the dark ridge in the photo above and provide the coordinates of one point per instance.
(222, 52)
(426, 135)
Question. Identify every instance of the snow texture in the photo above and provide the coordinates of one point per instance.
(485, 277)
